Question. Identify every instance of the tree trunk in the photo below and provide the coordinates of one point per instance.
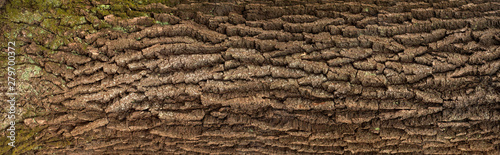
(253, 77)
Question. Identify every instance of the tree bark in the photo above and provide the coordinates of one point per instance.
(254, 77)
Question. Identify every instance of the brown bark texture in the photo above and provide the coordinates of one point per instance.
(254, 77)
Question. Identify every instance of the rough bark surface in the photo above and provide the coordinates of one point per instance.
(264, 77)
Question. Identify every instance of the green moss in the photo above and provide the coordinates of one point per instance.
(71, 21)
(85, 27)
(36, 70)
(119, 7)
(100, 25)
(61, 12)
(22, 3)
(119, 28)
(132, 14)
(5, 148)
(45, 50)
(57, 42)
(102, 13)
(94, 20)
(50, 3)
(51, 24)
(161, 23)
(30, 71)
(14, 31)
(24, 16)
(166, 2)
(58, 16)
(37, 34)
(25, 140)
(104, 7)
(30, 60)
(20, 43)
